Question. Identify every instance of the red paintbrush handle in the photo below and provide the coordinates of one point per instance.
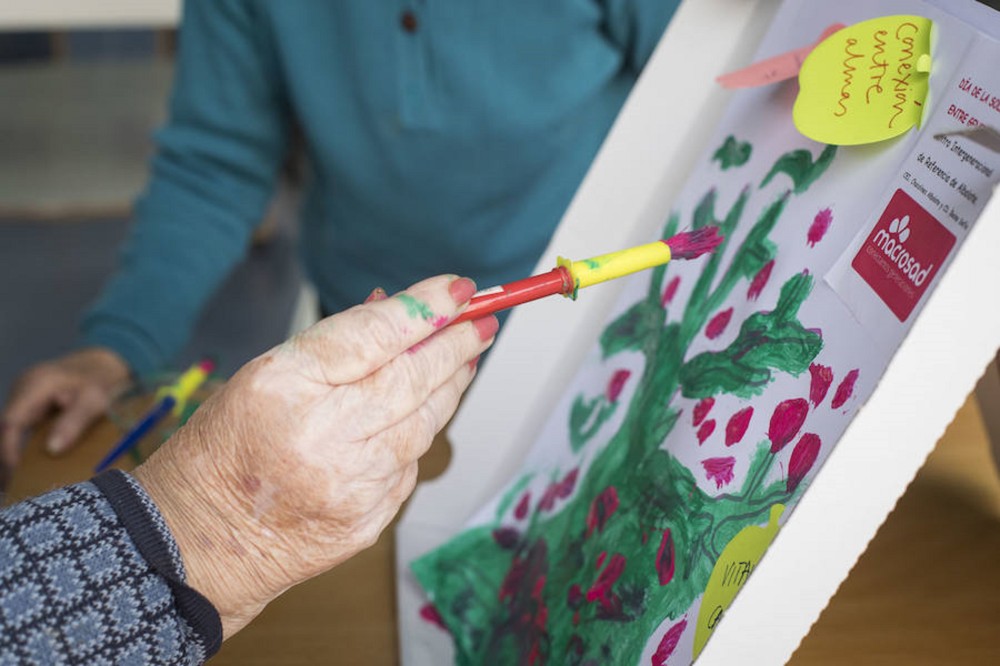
(495, 299)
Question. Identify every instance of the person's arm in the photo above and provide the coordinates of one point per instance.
(211, 181)
(636, 26)
(295, 465)
(90, 573)
(212, 177)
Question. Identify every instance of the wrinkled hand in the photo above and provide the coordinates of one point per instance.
(307, 453)
(80, 386)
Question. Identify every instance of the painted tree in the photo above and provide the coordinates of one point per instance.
(589, 571)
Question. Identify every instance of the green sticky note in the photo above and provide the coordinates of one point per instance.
(738, 560)
(867, 82)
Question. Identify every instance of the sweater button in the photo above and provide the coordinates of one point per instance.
(408, 21)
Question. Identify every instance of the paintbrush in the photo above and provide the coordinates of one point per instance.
(171, 399)
(570, 276)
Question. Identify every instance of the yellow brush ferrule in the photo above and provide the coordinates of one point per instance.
(616, 264)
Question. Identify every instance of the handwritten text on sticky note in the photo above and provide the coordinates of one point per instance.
(865, 83)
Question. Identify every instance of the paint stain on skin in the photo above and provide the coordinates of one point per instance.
(819, 227)
(670, 291)
(701, 410)
(737, 425)
(717, 324)
(845, 390)
(417, 347)
(705, 431)
(719, 470)
(415, 308)
(760, 281)
(786, 420)
(819, 383)
(668, 643)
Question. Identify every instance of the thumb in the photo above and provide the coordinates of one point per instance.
(78, 413)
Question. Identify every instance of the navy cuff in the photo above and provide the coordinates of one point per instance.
(149, 532)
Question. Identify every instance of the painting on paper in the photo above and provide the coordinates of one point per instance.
(685, 439)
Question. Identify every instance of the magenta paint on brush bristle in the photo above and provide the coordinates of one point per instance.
(693, 244)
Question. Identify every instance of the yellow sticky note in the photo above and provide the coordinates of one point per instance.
(738, 560)
(867, 82)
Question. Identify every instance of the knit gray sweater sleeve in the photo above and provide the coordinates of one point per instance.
(90, 574)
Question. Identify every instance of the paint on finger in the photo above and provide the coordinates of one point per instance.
(417, 309)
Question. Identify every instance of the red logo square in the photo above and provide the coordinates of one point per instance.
(903, 253)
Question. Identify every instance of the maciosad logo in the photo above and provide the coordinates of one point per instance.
(903, 253)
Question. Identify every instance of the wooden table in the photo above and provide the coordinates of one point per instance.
(926, 592)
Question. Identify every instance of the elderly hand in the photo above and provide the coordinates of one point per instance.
(305, 456)
(80, 385)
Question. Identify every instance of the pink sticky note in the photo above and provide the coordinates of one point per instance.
(776, 68)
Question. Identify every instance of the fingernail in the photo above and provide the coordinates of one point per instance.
(487, 327)
(462, 289)
(55, 444)
(378, 294)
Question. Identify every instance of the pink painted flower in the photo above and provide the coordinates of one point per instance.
(430, 614)
(819, 384)
(845, 390)
(616, 384)
(668, 643)
(701, 410)
(602, 590)
(717, 325)
(566, 486)
(819, 227)
(558, 490)
(574, 596)
(786, 421)
(506, 537)
(738, 424)
(670, 291)
(601, 509)
(521, 510)
(719, 470)
(760, 281)
(665, 561)
(549, 497)
(802, 459)
(705, 431)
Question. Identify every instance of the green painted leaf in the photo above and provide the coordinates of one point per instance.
(767, 342)
(732, 153)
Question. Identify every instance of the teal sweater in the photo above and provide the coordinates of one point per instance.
(443, 136)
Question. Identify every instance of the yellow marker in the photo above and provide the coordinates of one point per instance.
(867, 82)
(738, 560)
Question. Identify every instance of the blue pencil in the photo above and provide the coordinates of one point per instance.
(138, 431)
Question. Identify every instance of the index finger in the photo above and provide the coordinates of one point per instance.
(354, 343)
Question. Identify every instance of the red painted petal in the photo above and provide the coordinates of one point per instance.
(737, 426)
